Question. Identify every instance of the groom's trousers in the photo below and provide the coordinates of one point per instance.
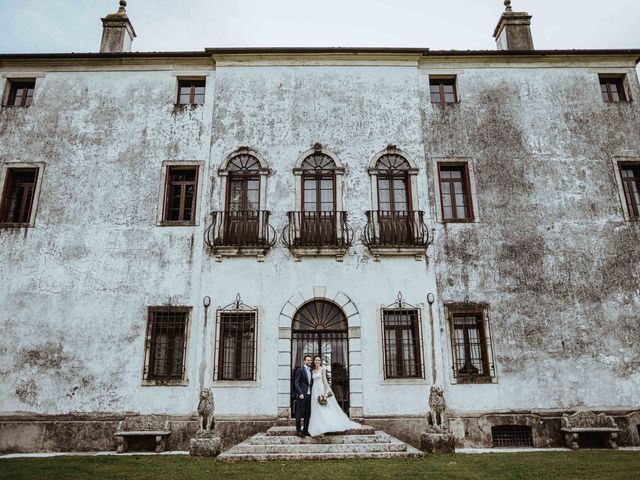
(303, 411)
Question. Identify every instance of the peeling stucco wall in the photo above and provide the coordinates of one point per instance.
(550, 253)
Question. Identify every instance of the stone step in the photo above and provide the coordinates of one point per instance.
(291, 431)
(275, 444)
(318, 448)
(263, 457)
(262, 439)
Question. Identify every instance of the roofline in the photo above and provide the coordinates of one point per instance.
(425, 52)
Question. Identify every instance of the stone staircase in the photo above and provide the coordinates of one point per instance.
(281, 443)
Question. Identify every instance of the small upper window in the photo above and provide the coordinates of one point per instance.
(613, 89)
(20, 93)
(191, 92)
(630, 174)
(17, 195)
(443, 90)
(180, 194)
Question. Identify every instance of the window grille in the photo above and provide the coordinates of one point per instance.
(166, 343)
(455, 194)
(236, 342)
(511, 436)
(630, 174)
(181, 194)
(17, 196)
(471, 343)
(401, 331)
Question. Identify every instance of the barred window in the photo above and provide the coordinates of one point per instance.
(470, 345)
(236, 356)
(511, 436)
(166, 343)
(630, 174)
(402, 343)
(181, 194)
(17, 195)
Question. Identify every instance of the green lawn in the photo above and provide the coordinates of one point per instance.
(583, 465)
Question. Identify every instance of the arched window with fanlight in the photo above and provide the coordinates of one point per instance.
(242, 227)
(318, 225)
(394, 227)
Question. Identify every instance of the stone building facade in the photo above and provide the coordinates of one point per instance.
(178, 220)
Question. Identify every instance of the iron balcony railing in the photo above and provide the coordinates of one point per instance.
(317, 229)
(395, 229)
(240, 229)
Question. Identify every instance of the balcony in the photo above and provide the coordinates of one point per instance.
(396, 233)
(318, 234)
(240, 233)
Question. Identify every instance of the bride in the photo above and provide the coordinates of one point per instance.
(329, 417)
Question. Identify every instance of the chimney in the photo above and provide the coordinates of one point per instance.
(513, 31)
(117, 31)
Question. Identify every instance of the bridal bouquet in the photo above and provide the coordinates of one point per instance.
(322, 399)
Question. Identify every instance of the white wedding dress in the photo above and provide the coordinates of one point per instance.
(329, 417)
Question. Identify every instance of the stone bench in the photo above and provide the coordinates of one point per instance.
(143, 426)
(589, 422)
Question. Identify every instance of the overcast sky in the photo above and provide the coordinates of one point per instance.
(166, 25)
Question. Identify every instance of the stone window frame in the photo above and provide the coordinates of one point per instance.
(440, 78)
(6, 85)
(298, 172)
(617, 163)
(264, 171)
(412, 176)
(630, 84)
(622, 81)
(184, 381)
(469, 163)
(472, 308)
(4, 168)
(420, 380)
(162, 192)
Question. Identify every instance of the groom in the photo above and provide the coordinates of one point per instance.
(303, 382)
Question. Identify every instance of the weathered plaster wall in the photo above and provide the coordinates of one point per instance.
(75, 288)
(551, 253)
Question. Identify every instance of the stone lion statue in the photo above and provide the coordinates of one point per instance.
(205, 411)
(437, 406)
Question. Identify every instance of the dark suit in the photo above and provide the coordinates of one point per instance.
(303, 384)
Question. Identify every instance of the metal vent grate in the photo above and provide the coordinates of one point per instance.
(510, 436)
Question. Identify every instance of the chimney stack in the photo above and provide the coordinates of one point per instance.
(117, 31)
(513, 31)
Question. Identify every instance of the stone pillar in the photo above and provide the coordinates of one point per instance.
(513, 31)
(117, 31)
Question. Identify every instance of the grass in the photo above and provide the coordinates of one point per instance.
(582, 465)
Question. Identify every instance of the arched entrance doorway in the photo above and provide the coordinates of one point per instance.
(320, 328)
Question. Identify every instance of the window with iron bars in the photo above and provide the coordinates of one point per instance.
(166, 344)
(236, 344)
(511, 436)
(17, 195)
(470, 344)
(401, 329)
